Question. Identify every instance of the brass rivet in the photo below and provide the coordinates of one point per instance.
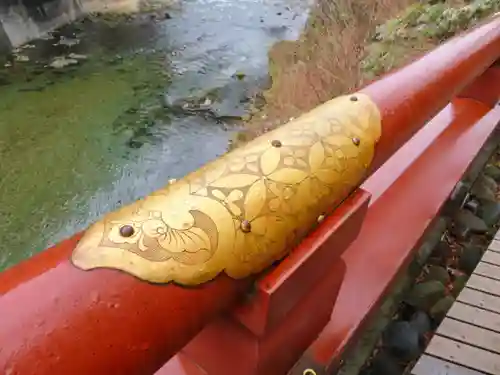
(276, 143)
(309, 371)
(356, 141)
(354, 98)
(321, 218)
(246, 227)
(127, 231)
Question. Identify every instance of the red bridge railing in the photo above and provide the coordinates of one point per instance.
(186, 280)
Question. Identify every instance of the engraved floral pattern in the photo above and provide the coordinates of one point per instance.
(278, 185)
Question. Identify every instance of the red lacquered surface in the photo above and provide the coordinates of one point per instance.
(485, 88)
(227, 348)
(414, 198)
(56, 319)
(37, 264)
(413, 95)
(65, 321)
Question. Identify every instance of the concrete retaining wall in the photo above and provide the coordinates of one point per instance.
(25, 20)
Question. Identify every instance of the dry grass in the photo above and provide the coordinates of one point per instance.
(324, 63)
(347, 42)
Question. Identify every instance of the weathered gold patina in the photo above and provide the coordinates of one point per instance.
(245, 210)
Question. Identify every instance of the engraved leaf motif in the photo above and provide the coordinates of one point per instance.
(155, 228)
(267, 237)
(178, 217)
(230, 199)
(235, 181)
(327, 176)
(270, 160)
(288, 175)
(297, 141)
(190, 241)
(338, 140)
(316, 156)
(255, 199)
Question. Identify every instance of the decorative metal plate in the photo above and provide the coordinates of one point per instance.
(246, 209)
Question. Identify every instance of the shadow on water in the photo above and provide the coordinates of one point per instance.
(106, 111)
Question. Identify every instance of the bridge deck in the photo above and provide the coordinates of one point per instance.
(468, 340)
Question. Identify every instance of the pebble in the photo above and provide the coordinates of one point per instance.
(62, 62)
(402, 340)
(493, 172)
(441, 307)
(77, 56)
(384, 364)
(469, 258)
(487, 181)
(466, 223)
(426, 294)
(437, 273)
(459, 284)
(22, 58)
(482, 191)
(421, 322)
(490, 212)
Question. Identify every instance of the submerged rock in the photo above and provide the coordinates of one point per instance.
(62, 62)
(77, 56)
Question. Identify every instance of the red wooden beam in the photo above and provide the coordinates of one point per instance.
(52, 312)
(408, 193)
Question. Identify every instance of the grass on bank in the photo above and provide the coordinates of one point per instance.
(346, 42)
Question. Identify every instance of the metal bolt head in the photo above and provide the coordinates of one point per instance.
(127, 231)
(276, 143)
(356, 141)
(246, 226)
(309, 371)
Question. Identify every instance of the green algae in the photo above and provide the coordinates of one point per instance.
(59, 144)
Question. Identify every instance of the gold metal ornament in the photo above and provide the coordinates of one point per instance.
(245, 210)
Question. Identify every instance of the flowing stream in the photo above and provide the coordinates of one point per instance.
(140, 101)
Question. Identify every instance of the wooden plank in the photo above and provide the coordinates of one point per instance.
(479, 299)
(461, 331)
(484, 284)
(476, 316)
(491, 257)
(428, 365)
(463, 354)
(489, 270)
(494, 246)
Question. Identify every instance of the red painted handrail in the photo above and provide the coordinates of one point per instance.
(51, 312)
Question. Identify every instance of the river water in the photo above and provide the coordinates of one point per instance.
(79, 141)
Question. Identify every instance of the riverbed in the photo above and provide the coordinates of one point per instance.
(143, 99)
